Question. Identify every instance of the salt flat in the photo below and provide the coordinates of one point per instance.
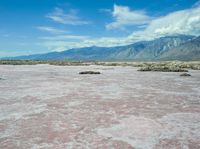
(53, 107)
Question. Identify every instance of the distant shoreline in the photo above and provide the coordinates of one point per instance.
(165, 66)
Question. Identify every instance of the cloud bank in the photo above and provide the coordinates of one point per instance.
(179, 22)
(124, 16)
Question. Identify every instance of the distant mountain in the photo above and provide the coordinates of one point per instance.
(156, 48)
(189, 50)
(179, 47)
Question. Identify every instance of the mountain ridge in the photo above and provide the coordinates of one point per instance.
(179, 47)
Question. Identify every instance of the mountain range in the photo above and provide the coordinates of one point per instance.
(178, 47)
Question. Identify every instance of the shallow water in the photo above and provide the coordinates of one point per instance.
(54, 107)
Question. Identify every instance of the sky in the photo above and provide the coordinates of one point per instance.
(41, 26)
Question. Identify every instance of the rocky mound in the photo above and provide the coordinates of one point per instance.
(89, 72)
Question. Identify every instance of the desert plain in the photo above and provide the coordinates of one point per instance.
(54, 107)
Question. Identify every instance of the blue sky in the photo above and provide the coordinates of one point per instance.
(39, 26)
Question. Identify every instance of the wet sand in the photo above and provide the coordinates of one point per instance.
(53, 107)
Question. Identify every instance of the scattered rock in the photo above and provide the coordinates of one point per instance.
(185, 75)
(89, 72)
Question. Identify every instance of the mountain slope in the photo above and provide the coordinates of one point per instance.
(187, 51)
(180, 47)
(157, 47)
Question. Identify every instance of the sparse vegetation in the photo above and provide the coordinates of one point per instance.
(165, 66)
(170, 66)
(162, 68)
(35, 62)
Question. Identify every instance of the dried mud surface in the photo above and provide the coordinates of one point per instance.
(53, 107)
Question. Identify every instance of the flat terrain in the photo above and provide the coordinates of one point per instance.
(54, 107)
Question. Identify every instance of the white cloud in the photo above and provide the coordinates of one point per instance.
(68, 42)
(70, 18)
(124, 16)
(50, 29)
(65, 37)
(179, 22)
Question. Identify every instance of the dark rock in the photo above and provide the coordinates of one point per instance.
(89, 72)
(185, 75)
